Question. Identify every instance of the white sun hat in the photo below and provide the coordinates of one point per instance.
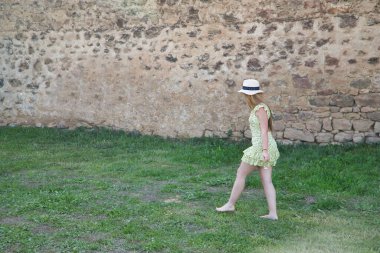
(251, 87)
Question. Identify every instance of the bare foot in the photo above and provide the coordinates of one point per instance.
(269, 217)
(226, 208)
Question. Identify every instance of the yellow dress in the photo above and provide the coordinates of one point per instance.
(254, 154)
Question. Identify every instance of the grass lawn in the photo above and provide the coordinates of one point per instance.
(108, 191)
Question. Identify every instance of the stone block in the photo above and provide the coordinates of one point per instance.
(279, 135)
(254, 64)
(320, 101)
(342, 124)
(373, 139)
(304, 115)
(321, 109)
(331, 61)
(377, 127)
(362, 125)
(52, 124)
(358, 138)
(313, 126)
(278, 125)
(373, 60)
(337, 115)
(324, 137)
(368, 109)
(290, 109)
(343, 137)
(364, 91)
(62, 124)
(327, 124)
(297, 125)
(322, 114)
(375, 116)
(376, 81)
(348, 21)
(15, 82)
(371, 134)
(352, 116)
(285, 142)
(301, 82)
(346, 109)
(295, 134)
(361, 83)
(369, 99)
(288, 117)
(342, 100)
(326, 92)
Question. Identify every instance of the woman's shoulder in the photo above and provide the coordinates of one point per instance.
(261, 105)
(258, 106)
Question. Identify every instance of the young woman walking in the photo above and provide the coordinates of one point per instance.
(263, 153)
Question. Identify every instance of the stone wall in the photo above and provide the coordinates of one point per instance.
(172, 68)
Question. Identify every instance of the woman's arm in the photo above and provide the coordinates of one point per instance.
(263, 119)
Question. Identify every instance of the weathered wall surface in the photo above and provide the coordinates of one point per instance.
(172, 67)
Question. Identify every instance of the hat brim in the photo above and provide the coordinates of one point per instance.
(250, 92)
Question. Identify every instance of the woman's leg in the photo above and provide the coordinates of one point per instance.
(242, 172)
(270, 192)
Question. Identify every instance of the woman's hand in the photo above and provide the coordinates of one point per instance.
(265, 155)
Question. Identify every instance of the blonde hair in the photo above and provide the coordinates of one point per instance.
(253, 100)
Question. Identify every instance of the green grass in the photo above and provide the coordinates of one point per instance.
(108, 191)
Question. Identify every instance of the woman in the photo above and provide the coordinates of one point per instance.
(263, 153)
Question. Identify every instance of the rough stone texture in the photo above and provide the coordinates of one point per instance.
(327, 124)
(370, 99)
(343, 137)
(342, 100)
(368, 109)
(362, 125)
(361, 83)
(351, 116)
(324, 137)
(172, 68)
(358, 138)
(342, 124)
(313, 126)
(279, 125)
(377, 127)
(320, 101)
(294, 134)
(372, 139)
(375, 116)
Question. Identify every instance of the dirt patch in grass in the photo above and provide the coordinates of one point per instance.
(14, 248)
(14, 220)
(35, 228)
(217, 189)
(175, 199)
(118, 246)
(30, 179)
(259, 192)
(150, 192)
(83, 217)
(95, 236)
(195, 229)
(309, 200)
(43, 229)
